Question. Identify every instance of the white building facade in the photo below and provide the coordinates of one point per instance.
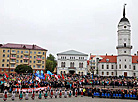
(124, 64)
(72, 62)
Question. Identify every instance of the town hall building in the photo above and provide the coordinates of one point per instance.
(123, 64)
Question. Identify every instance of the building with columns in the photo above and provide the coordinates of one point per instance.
(72, 62)
(122, 64)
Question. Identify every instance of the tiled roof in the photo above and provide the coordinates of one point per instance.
(134, 59)
(22, 46)
(109, 59)
(72, 52)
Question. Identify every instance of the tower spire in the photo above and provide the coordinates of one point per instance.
(124, 11)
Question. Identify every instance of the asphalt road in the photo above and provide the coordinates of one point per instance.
(72, 99)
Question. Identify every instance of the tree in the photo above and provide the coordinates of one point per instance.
(23, 69)
(50, 63)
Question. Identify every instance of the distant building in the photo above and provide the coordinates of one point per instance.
(12, 55)
(72, 62)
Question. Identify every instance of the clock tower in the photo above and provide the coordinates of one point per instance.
(124, 58)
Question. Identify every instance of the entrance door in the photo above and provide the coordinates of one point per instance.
(71, 72)
(125, 74)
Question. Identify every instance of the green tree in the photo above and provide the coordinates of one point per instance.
(50, 63)
(23, 69)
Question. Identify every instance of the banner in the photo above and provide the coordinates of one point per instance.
(29, 89)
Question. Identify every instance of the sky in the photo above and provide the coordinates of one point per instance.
(88, 26)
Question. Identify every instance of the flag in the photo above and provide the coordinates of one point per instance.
(56, 76)
(63, 76)
(6, 76)
(59, 76)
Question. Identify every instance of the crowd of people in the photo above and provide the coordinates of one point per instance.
(120, 87)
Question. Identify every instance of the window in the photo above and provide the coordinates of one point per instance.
(26, 52)
(25, 61)
(134, 74)
(7, 60)
(42, 62)
(102, 73)
(30, 56)
(120, 60)
(4, 51)
(39, 52)
(129, 66)
(13, 55)
(12, 65)
(80, 65)
(13, 51)
(30, 61)
(34, 66)
(26, 56)
(2, 65)
(21, 56)
(17, 61)
(119, 66)
(39, 57)
(21, 61)
(38, 61)
(42, 57)
(8, 51)
(34, 57)
(22, 52)
(12, 60)
(124, 26)
(42, 66)
(71, 64)
(3, 55)
(124, 51)
(125, 66)
(107, 66)
(65, 57)
(8, 55)
(17, 56)
(124, 44)
(112, 73)
(43, 53)
(64, 72)
(3, 60)
(34, 52)
(7, 65)
(7, 70)
(125, 60)
(61, 72)
(112, 66)
(63, 64)
(2, 70)
(134, 67)
(12, 70)
(17, 51)
(30, 52)
(102, 66)
(79, 57)
(38, 66)
(107, 73)
(34, 61)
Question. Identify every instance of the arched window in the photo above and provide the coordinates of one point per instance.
(124, 44)
(112, 73)
(134, 68)
(64, 64)
(125, 66)
(134, 74)
(119, 66)
(70, 64)
(102, 66)
(80, 65)
(73, 64)
(107, 73)
(102, 73)
(112, 66)
(107, 66)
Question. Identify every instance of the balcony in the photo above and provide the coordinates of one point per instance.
(39, 59)
(13, 53)
(25, 63)
(25, 58)
(39, 63)
(13, 57)
(72, 68)
(12, 62)
(39, 54)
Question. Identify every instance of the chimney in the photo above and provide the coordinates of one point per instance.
(33, 46)
(1, 45)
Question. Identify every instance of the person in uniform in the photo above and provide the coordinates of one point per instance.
(76, 92)
(45, 94)
(56, 93)
(5, 95)
(26, 95)
(65, 93)
(33, 95)
(40, 94)
(51, 93)
(70, 93)
(60, 93)
(20, 94)
(13, 95)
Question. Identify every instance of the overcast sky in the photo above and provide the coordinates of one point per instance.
(88, 26)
